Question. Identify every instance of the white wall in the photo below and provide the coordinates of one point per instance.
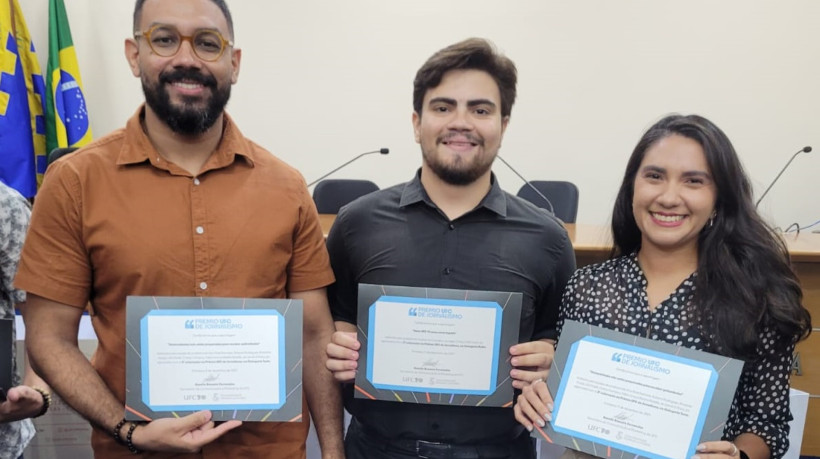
(322, 81)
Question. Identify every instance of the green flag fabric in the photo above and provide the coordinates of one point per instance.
(67, 122)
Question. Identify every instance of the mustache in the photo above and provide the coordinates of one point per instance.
(470, 137)
(193, 75)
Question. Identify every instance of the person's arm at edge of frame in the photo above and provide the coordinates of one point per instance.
(51, 342)
(323, 394)
(24, 401)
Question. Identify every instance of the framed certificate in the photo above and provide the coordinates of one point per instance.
(238, 357)
(617, 393)
(439, 346)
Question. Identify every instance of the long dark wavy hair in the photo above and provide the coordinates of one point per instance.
(745, 280)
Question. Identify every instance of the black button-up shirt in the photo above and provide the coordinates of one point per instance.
(397, 236)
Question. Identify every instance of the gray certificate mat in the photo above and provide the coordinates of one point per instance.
(620, 395)
(436, 346)
(241, 358)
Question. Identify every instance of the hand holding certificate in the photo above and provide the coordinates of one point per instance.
(643, 397)
(436, 346)
(233, 356)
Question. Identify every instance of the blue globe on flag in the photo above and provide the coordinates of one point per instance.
(71, 107)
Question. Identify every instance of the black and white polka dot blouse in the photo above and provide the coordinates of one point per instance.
(612, 294)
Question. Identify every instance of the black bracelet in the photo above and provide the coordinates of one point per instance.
(46, 402)
(116, 432)
(128, 441)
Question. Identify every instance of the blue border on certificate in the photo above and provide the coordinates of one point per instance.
(437, 302)
(710, 388)
(144, 349)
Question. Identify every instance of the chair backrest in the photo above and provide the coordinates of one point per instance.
(57, 153)
(562, 195)
(331, 194)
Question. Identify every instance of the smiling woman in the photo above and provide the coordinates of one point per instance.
(674, 196)
(694, 265)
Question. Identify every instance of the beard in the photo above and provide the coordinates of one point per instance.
(459, 172)
(191, 117)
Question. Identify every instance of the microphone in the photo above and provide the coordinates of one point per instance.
(805, 149)
(383, 151)
(528, 183)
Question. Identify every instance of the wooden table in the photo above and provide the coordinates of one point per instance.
(593, 243)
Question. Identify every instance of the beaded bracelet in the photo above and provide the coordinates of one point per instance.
(116, 432)
(128, 441)
(46, 401)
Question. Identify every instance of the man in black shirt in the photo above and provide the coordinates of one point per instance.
(450, 227)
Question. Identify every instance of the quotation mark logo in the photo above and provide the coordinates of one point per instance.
(413, 312)
(189, 324)
(616, 357)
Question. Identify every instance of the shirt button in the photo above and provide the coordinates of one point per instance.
(452, 226)
(200, 230)
(196, 181)
(447, 271)
(203, 285)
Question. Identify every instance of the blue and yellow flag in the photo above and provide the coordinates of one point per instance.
(66, 111)
(22, 103)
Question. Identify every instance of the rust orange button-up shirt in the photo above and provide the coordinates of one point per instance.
(116, 219)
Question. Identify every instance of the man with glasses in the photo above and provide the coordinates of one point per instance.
(177, 203)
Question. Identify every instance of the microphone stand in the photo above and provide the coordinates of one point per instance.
(383, 151)
(802, 150)
(527, 182)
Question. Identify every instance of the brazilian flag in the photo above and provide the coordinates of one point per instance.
(67, 122)
(22, 102)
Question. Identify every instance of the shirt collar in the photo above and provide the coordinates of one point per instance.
(414, 192)
(138, 148)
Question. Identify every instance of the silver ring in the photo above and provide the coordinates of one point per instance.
(734, 453)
